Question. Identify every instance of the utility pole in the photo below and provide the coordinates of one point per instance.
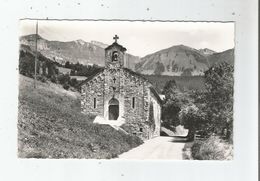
(35, 63)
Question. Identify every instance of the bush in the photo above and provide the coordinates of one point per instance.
(54, 79)
(195, 148)
(73, 82)
(66, 86)
(41, 78)
(213, 148)
(63, 79)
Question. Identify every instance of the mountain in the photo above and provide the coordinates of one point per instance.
(73, 51)
(227, 56)
(176, 60)
(206, 51)
(182, 60)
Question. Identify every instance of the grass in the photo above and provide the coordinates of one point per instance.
(212, 148)
(50, 125)
(186, 151)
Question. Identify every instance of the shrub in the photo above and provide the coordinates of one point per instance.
(63, 79)
(213, 148)
(54, 79)
(195, 148)
(73, 82)
(66, 86)
(41, 78)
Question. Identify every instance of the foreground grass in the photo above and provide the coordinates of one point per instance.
(212, 148)
(50, 125)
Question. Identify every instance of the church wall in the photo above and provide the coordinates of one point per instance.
(116, 82)
(108, 57)
(156, 114)
(113, 86)
(93, 89)
(136, 118)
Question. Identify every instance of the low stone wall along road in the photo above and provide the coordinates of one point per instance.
(169, 148)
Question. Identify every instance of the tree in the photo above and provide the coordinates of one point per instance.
(216, 103)
(73, 82)
(219, 98)
(67, 65)
(172, 104)
(192, 118)
(64, 79)
(26, 64)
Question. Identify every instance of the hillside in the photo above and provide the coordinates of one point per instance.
(226, 56)
(50, 125)
(73, 51)
(181, 60)
(206, 51)
(184, 83)
(175, 61)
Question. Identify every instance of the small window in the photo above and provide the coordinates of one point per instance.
(141, 129)
(133, 102)
(114, 56)
(95, 103)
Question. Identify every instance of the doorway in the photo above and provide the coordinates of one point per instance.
(113, 109)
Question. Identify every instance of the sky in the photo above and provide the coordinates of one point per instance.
(140, 38)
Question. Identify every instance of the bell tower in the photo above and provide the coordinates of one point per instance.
(114, 55)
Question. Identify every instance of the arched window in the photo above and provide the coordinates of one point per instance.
(133, 102)
(114, 56)
(95, 103)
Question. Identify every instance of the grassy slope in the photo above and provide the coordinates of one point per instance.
(50, 125)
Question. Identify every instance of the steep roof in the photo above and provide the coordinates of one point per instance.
(91, 77)
(121, 48)
(155, 93)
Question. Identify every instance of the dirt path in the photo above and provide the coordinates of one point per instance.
(157, 148)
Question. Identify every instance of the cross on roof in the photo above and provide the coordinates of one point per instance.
(116, 38)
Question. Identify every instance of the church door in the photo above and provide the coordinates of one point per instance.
(113, 109)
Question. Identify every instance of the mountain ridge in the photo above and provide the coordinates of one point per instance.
(177, 60)
(181, 60)
(73, 51)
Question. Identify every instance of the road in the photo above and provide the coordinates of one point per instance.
(169, 148)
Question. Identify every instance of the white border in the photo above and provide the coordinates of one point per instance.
(244, 165)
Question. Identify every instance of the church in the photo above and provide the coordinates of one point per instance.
(118, 94)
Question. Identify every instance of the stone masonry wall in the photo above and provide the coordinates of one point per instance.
(90, 90)
(113, 89)
(116, 82)
(156, 114)
(136, 118)
(122, 85)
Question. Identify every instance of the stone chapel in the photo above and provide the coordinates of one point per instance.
(117, 93)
